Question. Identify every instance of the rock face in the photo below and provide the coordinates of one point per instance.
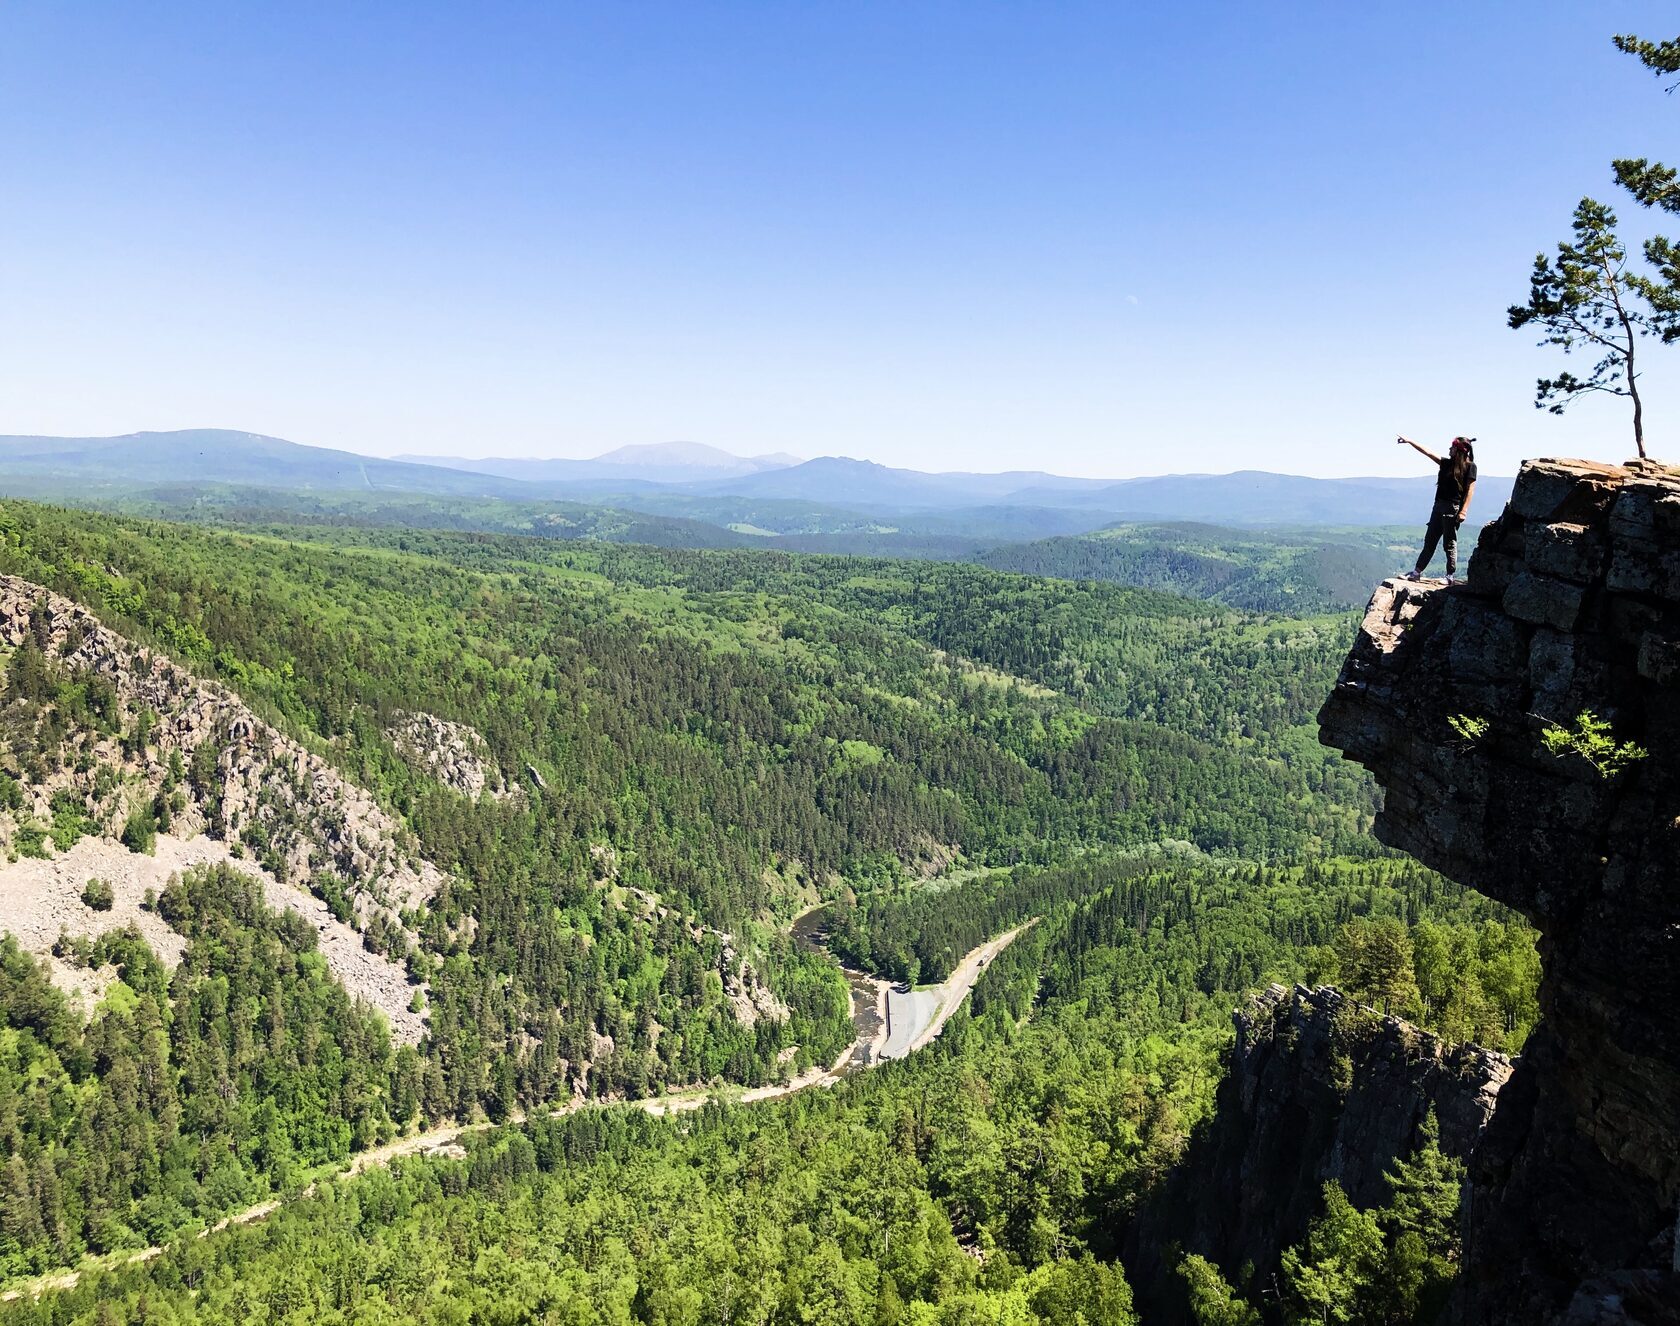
(1319, 1088)
(234, 790)
(291, 806)
(453, 753)
(1572, 604)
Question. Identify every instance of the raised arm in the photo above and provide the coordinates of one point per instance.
(1406, 441)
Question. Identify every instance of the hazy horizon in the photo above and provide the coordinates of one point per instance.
(795, 459)
(939, 238)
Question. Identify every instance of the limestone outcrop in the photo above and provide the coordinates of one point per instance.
(1571, 607)
(1319, 1088)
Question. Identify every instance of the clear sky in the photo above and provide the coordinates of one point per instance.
(1106, 239)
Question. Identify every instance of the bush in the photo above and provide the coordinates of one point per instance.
(140, 832)
(1470, 728)
(31, 839)
(98, 895)
(1593, 740)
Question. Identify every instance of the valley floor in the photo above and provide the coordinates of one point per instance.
(938, 1001)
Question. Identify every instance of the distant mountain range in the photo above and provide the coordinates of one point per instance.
(658, 462)
(831, 503)
(67, 465)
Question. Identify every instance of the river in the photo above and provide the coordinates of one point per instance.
(809, 932)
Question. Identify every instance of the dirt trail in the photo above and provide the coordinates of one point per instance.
(446, 1140)
(435, 1140)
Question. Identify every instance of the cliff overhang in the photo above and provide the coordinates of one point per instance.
(1571, 607)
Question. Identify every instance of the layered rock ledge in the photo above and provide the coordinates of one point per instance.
(1572, 605)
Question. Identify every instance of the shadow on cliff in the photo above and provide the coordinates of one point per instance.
(1572, 606)
(1319, 1088)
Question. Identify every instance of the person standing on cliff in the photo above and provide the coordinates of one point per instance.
(1453, 486)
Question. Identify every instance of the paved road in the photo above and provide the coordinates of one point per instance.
(916, 1017)
(909, 1014)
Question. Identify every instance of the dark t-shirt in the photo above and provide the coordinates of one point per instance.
(1448, 495)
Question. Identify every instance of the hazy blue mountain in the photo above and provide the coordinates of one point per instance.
(842, 481)
(829, 496)
(52, 465)
(696, 456)
(1255, 497)
(650, 463)
(1249, 497)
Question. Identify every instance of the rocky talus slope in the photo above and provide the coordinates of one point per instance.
(1319, 1088)
(293, 808)
(225, 787)
(1572, 605)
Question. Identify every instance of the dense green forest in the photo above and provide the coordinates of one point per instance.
(1390, 932)
(189, 1093)
(987, 1179)
(250, 505)
(729, 735)
(940, 750)
(1296, 571)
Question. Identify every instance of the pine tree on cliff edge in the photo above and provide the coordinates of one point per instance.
(1588, 299)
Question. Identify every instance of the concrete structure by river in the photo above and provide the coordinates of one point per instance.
(892, 1021)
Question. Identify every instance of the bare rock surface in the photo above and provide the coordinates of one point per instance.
(1572, 604)
(1319, 1088)
(40, 899)
(453, 753)
(232, 783)
(266, 787)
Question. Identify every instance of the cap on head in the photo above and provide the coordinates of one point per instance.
(1462, 443)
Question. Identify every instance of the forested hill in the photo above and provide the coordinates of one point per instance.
(678, 749)
(1291, 571)
(988, 1179)
(862, 714)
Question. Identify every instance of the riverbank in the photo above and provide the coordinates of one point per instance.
(868, 994)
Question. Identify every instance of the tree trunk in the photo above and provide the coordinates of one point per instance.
(1638, 405)
(1612, 279)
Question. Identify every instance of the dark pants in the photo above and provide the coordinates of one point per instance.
(1443, 528)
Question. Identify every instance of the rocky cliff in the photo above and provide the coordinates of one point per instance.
(1572, 606)
(131, 731)
(1319, 1088)
(292, 807)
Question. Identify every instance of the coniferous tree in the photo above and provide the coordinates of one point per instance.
(1588, 299)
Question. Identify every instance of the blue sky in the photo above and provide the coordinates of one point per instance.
(1104, 239)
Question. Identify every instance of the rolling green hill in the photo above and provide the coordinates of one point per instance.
(683, 748)
(1287, 571)
(245, 505)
